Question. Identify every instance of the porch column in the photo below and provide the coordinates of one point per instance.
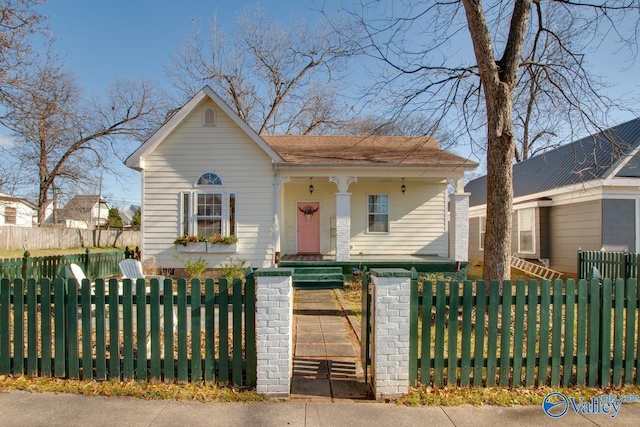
(459, 226)
(343, 216)
(277, 202)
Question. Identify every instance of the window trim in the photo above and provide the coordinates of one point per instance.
(190, 222)
(533, 230)
(14, 215)
(482, 230)
(388, 214)
(209, 184)
(204, 117)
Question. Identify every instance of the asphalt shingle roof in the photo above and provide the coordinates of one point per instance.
(586, 159)
(341, 149)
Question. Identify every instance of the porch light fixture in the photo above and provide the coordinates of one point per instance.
(311, 186)
(404, 187)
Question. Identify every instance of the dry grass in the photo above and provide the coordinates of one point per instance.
(152, 390)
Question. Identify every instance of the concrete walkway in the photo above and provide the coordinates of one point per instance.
(326, 364)
(19, 408)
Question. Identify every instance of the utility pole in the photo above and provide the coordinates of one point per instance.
(99, 211)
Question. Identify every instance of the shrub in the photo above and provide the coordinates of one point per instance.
(194, 269)
(234, 269)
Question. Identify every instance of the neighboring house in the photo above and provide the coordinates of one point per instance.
(17, 211)
(206, 172)
(585, 194)
(84, 211)
(127, 214)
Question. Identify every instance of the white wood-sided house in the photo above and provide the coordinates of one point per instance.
(16, 211)
(206, 172)
(585, 194)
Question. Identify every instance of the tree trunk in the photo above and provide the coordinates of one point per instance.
(498, 82)
(500, 152)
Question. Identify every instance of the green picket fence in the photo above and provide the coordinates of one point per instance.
(524, 334)
(611, 265)
(94, 264)
(71, 333)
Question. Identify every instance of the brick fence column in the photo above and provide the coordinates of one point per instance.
(459, 226)
(390, 331)
(274, 331)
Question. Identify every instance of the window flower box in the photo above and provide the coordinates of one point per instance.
(219, 248)
(196, 247)
(200, 244)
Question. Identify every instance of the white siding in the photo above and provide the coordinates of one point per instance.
(175, 165)
(417, 218)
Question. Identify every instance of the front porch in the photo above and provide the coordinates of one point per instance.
(422, 263)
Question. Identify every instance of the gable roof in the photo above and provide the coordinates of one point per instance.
(80, 206)
(136, 159)
(11, 199)
(381, 150)
(612, 152)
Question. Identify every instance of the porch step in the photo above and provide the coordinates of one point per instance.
(318, 277)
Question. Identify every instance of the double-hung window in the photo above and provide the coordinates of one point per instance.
(483, 228)
(526, 231)
(207, 210)
(378, 213)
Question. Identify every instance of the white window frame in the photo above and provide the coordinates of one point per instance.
(533, 231)
(369, 213)
(482, 230)
(188, 207)
(188, 218)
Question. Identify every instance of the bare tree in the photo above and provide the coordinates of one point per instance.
(19, 20)
(427, 68)
(62, 138)
(278, 80)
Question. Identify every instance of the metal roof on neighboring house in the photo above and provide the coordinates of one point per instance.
(586, 159)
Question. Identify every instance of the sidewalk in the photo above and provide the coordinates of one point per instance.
(18, 408)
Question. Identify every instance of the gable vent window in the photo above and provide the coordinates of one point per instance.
(209, 118)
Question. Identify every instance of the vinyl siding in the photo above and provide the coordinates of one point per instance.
(417, 220)
(619, 225)
(574, 226)
(415, 227)
(174, 166)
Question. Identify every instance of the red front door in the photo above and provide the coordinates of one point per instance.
(308, 227)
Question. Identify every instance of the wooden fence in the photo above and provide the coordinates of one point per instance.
(94, 264)
(612, 265)
(48, 237)
(71, 333)
(525, 334)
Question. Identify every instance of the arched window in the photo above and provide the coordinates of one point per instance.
(209, 118)
(209, 178)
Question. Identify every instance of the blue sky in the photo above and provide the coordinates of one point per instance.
(101, 41)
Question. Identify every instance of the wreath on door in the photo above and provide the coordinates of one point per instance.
(308, 212)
